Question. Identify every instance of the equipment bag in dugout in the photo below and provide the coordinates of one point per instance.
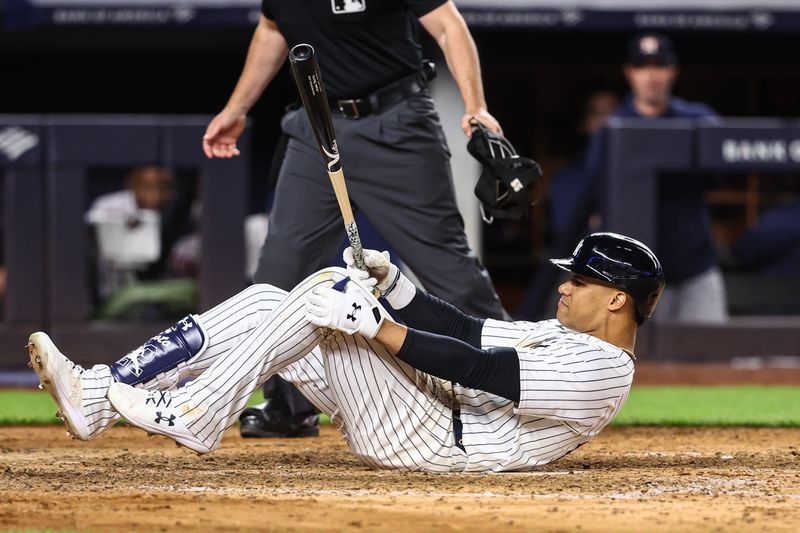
(509, 184)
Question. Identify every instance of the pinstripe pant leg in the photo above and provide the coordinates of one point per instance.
(389, 413)
(225, 325)
(230, 322)
(308, 375)
(212, 403)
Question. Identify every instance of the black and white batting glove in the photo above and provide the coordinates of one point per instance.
(383, 275)
(351, 313)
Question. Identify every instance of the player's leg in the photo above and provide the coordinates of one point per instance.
(403, 184)
(391, 415)
(198, 414)
(81, 393)
(304, 234)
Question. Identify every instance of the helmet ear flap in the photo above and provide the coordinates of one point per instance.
(649, 305)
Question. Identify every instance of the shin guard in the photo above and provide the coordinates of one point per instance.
(161, 353)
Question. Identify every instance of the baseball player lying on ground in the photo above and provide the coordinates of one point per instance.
(445, 392)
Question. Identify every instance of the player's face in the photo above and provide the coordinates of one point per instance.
(651, 83)
(583, 303)
(152, 188)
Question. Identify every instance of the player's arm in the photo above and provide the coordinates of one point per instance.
(428, 313)
(448, 28)
(267, 52)
(415, 307)
(495, 370)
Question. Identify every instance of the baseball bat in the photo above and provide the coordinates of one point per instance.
(305, 71)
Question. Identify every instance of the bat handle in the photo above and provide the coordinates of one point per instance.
(355, 242)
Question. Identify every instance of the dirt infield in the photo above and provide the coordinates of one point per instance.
(648, 373)
(633, 479)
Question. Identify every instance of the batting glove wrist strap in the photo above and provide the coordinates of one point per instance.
(350, 313)
(401, 293)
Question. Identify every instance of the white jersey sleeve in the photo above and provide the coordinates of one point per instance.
(498, 333)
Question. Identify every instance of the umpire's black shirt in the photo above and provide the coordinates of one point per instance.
(361, 45)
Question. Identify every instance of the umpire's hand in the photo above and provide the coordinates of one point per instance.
(222, 133)
(484, 117)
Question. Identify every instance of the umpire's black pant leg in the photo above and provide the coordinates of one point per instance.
(305, 225)
(278, 389)
(402, 182)
(305, 231)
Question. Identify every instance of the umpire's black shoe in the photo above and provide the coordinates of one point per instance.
(261, 421)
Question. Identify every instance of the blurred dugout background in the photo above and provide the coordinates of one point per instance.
(541, 61)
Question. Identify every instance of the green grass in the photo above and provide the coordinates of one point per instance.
(27, 407)
(712, 406)
(37, 407)
(647, 406)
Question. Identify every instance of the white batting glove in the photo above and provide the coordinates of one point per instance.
(381, 274)
(350, 313)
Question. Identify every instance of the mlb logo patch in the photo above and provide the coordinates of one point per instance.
(343, 7)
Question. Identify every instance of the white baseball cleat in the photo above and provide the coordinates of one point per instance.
(156, 412)
(62, 379)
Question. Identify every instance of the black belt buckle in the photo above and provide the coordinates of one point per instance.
(428, 70)
(348, 108)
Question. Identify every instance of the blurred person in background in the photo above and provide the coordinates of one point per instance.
(773, 245)
(572, 205)
(599, 105)
(146, 188)
(377, 82)
(145, 254)
(695, 288)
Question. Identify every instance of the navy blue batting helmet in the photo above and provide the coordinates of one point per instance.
(622, 262)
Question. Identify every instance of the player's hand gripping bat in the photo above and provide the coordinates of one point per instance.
(305, 70)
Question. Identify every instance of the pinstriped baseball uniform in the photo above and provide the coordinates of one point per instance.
(571, 386)
(226, 325)
(393, 416)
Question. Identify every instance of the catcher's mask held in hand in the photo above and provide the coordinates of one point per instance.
(509, 184)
